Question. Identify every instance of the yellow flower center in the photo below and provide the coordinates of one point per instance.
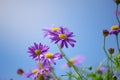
(62, 36)
(55, 29)
(40, 77)
(116, 27)
(35, 71)
(118, 56)
(49, 55)
(71, 61)
(37, 51)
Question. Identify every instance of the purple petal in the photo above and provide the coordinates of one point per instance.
(66, 44)
(62, 44)
(27, 74)
(71, 40)
(71, 43)
(57, 41)
(62, 30)
(53, 61)
(57, 56)
(70, 34)
(36, 45)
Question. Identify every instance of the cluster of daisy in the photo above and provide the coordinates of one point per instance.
(113, 60)
(40, 53)
(63, 38)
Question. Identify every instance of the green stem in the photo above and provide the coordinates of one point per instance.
(111, 65)
(40, 64)
(108, 72)
(39, 60)
(53, 72)
(117, 42)
(104, 45)
(117, 14)
(70, 78)
(75, 69)
(104, 48)
(109, 58)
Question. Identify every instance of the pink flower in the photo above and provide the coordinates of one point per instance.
(101, 69)
(75, 61)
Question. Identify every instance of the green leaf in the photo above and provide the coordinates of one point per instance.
(70, 75)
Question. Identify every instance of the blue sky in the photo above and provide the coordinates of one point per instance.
(21, 22)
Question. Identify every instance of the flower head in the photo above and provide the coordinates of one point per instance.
(37, 50)
(40, 73)
(20, 71)
(101, 69)
(50, 57)
(74, 61)
(114, 29)
(111, 50)
(105, 33)
(62, 36)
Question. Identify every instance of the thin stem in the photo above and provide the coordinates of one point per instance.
(39, 63)
(39, 60)
(53, 72)
(117, 14)
(104, 45)
(108, 58)
(117, 42)
(104, 48)
(108, 72)
(70, 78)
(111, 65)
(75, 69)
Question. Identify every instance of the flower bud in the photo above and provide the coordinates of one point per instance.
(20, 71)
(117, 1)
(114, 77)
(105, 33)
(90, 67)
(111, 50)
(101, 69)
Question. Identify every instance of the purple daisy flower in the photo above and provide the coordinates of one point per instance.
(50, 31)
(49, 57)
(114, 30)
(37, 50)
(61, 36)
(40, 73)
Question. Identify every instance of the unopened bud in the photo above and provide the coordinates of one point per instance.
(105, 33)
(117, 1)
(111, 50)
(20, 71)
(90, 67)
